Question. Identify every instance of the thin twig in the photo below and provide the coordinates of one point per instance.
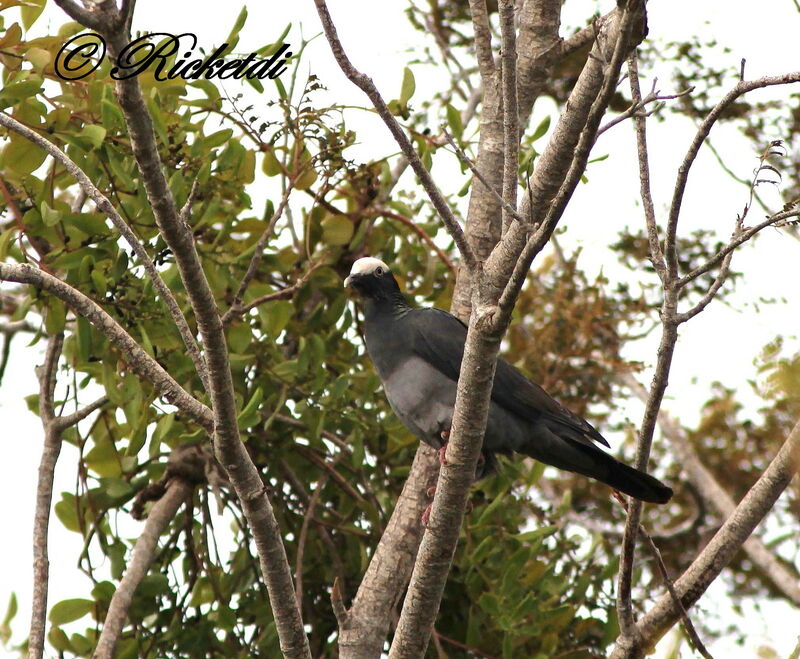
(640, 123)
(742, 87)
(686, 621)
(408, 222)
(464, 158)
(365, 83)
(235, 308)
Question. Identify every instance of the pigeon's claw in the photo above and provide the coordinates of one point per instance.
(443, 454)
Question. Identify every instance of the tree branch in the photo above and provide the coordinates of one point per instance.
(141, 363)
(511, 133)
(244, 476)
(640, 123)
(713, 494)
(363, 632)
(365, 84)
(107, 208)
(718, 552)
(742, 87)
(236, 305)
(53, 426)
(161, 514)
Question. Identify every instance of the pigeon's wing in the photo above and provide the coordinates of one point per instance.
(439, 337)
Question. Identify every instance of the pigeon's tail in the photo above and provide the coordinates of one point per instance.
(632, 481)
(589, 460)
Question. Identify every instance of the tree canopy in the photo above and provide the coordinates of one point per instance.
(243, 488)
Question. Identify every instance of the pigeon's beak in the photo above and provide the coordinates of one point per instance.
(348, 280)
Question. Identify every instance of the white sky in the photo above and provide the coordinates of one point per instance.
(720, 344)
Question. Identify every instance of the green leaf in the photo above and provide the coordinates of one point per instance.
(59, 640)
(84, 336)
(454, 122)
(215, 139)
(5, 626)
(286, 370)
(408, 87)
(56, 317)
(50, 217)
(271, 166)
(6, 240)
(275, 316)
(90, 223)
(249, 416)
(95, 134)
(337, 230)
(69, 610)
(541, 129)
(233, 37)
(22, 156)
(30, 11)
(100, 282)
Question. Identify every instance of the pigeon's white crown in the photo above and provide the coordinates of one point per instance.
(367, 265)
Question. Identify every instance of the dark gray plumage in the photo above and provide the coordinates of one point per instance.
(417, 353)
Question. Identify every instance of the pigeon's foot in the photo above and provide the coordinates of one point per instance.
(443, 454)
(426, 515)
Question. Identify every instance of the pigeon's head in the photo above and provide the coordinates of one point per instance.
(372, 279)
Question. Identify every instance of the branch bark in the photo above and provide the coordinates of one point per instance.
(718, 552)
(113, 25)
(140, 362)
(717, 498)
(161, 514)
(486, 328)
(53, 426)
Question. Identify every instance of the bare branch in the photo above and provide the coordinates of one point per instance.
(407, 221)
(742, 87)
(666, 350)
(637, 108)
(365, 83)
(64, 422)
(640, 122)
(511, 131)
(686, 621)
(508, 208)
(161, 514)
(387, 575)
(140, 362)
(235, 308)
(483, 38)
(719, 551)
(740, 239)
(44, 496)
(570, 146)
(715, 496)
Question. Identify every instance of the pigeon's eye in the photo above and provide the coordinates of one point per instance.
(379, 271)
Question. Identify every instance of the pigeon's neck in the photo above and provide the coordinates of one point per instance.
(392, 304)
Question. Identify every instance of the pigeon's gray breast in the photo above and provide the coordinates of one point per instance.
(422, 398)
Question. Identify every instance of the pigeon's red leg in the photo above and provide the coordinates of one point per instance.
(445, 435)
(426, 515)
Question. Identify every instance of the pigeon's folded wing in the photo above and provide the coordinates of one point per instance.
(439, 338)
